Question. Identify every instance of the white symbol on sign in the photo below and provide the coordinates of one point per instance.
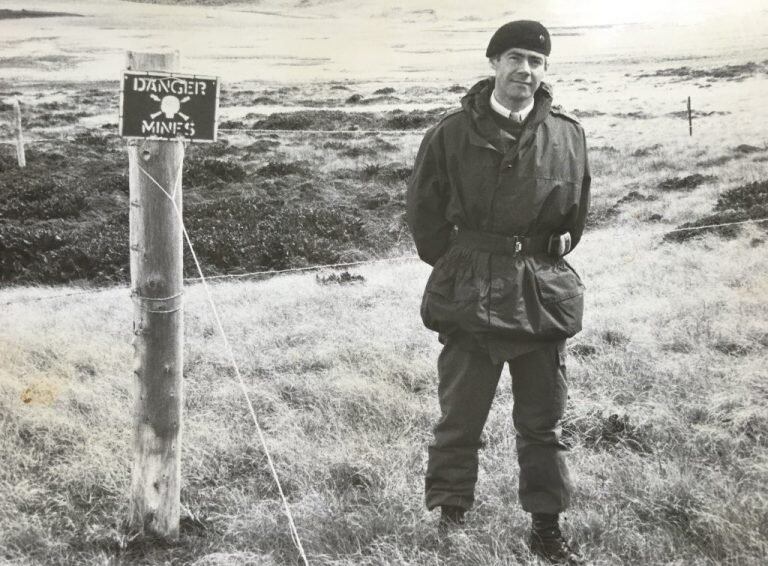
(169, 106)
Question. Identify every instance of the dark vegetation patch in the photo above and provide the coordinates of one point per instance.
(262, 146)
(747, 202)
(205, 172)
(6, 14)
(42, 62)
(345, 477)
(686, 183)
(746, 149)
(737, 152)
(730, 348)
(457, 89)
(609, 149)
(65, 217)
(232, 125)
(716, 161)
(47, 120)
(252, 235)
(697, 113)
(635, 196)
(727, 72)
(392, 172)
(385, 90)
(614, 338)
(582, 350)
(586, 113)
(372, 202)
(343, 278)
(601, 212)
(646, 151)
(338, 120)
(379, 100)
(55, 106)
(283, 169)
(599, 431)
(635, 114)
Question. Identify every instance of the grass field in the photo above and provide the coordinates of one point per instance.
(668, 408)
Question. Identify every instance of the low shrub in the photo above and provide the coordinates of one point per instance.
(282, 169)
(747, 202)
(687, 183)
(60, 253)
(41, 198)
(744, 197)
(200, 173)
(343, 278)
(256, 235)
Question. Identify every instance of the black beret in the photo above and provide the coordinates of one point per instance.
(525, 34)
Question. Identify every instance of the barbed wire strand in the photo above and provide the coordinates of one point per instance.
(273, 272)
(308, 268)
(271, 131)
(751, 220)
(60, 295)
(231, 355)
(243, 130)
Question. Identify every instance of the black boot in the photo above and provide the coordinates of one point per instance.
(451, 516)
(547, 542)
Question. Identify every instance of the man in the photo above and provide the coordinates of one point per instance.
(499, 193)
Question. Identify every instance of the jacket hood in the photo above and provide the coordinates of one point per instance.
(477, 106)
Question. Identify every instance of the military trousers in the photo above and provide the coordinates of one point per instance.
(468, 381)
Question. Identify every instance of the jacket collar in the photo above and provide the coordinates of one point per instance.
(484, 131)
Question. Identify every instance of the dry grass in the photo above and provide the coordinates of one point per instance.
(667, 420)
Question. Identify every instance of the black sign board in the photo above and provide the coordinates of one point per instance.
(165, 106)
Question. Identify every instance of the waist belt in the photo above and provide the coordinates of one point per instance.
(501, 244)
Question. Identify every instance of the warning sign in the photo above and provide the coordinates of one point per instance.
(166, 106)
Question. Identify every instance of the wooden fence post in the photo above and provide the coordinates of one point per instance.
(20, 153)
(690, 118)
(156, 287)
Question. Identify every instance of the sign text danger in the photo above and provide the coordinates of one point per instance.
(165, 106)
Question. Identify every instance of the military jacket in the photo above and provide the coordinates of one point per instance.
(467, 176)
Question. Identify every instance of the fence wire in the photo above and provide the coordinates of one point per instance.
(269, 273)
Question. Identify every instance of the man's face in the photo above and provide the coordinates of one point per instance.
(519, 73)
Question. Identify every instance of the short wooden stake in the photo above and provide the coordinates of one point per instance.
(20, 153)
(690, 118)
(157, 287)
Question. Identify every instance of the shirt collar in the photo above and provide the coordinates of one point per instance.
(518, 116)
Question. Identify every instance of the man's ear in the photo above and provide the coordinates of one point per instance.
(493, 62)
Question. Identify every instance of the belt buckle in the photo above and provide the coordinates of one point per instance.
(518, 246)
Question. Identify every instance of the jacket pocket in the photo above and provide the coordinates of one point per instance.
(558, 282)
(561, 296)
(456, 293)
